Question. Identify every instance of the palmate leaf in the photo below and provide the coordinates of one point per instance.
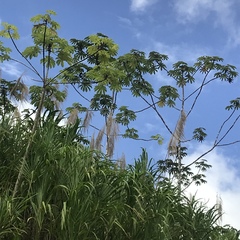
(207, 63)
(45, 18)
(168, 96)
(158, 138)
(101, 48)
(141, 87)
(155, 61)
(103, 103)
(100, 89)
(31, 52)
(234, 104)
(182, 73)
(9, 30)
(131, 133)
(64, 52)
(49, 61)
(85, 85)
(4, 52)
(125, 116)
(226, 73)
(62, 57)
(199, 134)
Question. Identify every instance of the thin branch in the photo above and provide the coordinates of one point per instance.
(200, 87)
(153, 105)
(230, 128)
(221, 127)
(199, 170)
(34, 69)
(160, 116)
(15, 60)
(227, 144)
(198, 94)
(202, 155)
(217, 144)
(73, 65)
(142, 110)
(79, 92)
(120, 135)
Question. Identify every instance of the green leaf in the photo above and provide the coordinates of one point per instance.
(31, 52)
(100, 89)
(131, 133)
(9, 30)
(158, 138)
(125, 116)
(235, 104)
(4, 52)
(168, 96)
(199, 134)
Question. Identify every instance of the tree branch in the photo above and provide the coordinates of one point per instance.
(34, 69)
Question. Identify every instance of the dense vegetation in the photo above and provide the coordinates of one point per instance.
(55, 184)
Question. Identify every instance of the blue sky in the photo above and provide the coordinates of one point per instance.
(182, 29)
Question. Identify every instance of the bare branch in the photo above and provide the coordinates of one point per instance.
(221, 127)
(30, 64)
(200, 87)
(230, 128)
(198, 94)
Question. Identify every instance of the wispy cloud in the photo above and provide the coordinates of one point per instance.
(225, 11)
(130, 25)
(11, 69)
(222, 180)
(125, 21)
(180, 52)
(193, 10)
(141, 5)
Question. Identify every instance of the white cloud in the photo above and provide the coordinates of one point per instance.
(180, 52)
(125, 21)
(224, 12)
(11, 69)
(189, 10)
(141, 5)
(223, 179)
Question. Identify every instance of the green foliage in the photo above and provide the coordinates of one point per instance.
(9, 31)
(235, 104)
(46, 41)
(53, 96)
(125, 116)
(182, 73)
(168, 96)
(10, 90)
(4, 52)
(83, 195)
(103, 103)
(199, 134)
(131, 133)
(32, 51)
(54, 185)
(159, 138)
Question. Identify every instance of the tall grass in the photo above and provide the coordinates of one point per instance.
(71, 192)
